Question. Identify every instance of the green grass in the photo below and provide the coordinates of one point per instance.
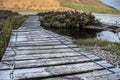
(104, 45)
(6, 28)
(87, 8)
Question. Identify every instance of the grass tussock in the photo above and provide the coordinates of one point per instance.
(88, 8)
(104, 45)
(5, 30)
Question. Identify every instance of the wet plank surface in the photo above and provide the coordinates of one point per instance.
(38, 54)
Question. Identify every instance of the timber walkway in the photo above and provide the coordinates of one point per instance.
(35, 53)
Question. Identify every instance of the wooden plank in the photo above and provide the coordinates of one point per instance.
(35, 36)
(27, 38)
(21, 29)
(116, 70)
(44, 40)
(38, 37)
(40, 40)
(31, 24)
(57, 70)
(25, 52)
(46, 47)
(40, 56)
(78, 76)
(5, 65)
(54, 61)
(5, 75)
(42, 47)
(115, 76)
(37, 31)
(85, 76)
(47, 61)
(38, 44)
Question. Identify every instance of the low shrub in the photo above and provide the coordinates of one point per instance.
(4, 14)
(68, 19)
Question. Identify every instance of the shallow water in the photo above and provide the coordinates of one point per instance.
(113, 3)
(110, 19)
(85, 34)
(109, 36)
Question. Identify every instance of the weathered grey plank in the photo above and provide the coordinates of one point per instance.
(42, 47)
(28, 38)
(25, 52)
(5, 65)
(5, 75)
(111, 76)
(57, 70)
(53, 61)
(86, 76)
(40, 56)
(46, 62)
(38, 44)
(105, 77)
(44, 40)
(21, 29)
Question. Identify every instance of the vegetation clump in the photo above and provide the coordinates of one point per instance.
(4, 14)
(67, 19)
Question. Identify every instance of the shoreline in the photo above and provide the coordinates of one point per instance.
(108, 5)
(113, 5)
(104, 27)
(105, 55)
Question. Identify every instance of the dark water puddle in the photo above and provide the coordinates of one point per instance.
(76, 33)
(89, 33)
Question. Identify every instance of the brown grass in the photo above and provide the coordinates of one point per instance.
(29, 5)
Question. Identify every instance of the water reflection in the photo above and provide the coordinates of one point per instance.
(109, 36)
(89, 33)
(76, 33)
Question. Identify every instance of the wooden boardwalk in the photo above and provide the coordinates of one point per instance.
(38, 54)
